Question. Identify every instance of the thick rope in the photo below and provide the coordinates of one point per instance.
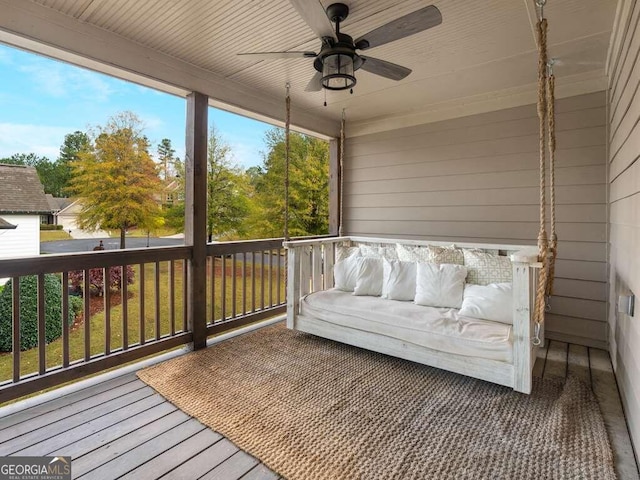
(543, 244)
(341, 162)
(287, 147)
(553, 239)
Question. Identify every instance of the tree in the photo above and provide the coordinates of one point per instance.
(167, 159)
(227, 191)
(308, 186)
(116, 179)
(74, 143)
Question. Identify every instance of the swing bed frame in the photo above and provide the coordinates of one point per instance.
(310, 269)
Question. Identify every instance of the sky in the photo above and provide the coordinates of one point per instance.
(42, 100)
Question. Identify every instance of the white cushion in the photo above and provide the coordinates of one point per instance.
(369, 277)
(489, 302)
(485, 268)
(345, 272)
(440, 285)
(399, 280)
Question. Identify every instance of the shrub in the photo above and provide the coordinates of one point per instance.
(29, 312)
(96, 280)
(45, 227)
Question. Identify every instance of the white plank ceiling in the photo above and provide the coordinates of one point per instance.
(483, 47)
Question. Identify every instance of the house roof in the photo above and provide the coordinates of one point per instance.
(4, 225)
(58, 203)
(21, 191)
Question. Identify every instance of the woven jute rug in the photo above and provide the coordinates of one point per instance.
(310, 408)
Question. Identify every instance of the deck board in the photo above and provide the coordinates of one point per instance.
(175, 456)
(123, 429)
(65, 400)
(204, 462)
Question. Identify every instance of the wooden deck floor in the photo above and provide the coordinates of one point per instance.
(123, 429)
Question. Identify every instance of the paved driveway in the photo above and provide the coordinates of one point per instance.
(88, 244)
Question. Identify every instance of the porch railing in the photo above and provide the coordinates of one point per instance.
(142, 316)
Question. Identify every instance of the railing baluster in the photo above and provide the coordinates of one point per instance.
(172, 296)
(262, 279)
(244, 283)
(317, 268)
(65, 319)
(142, 320)
(212, 284)
(107, 311)
(87, 315)
(279, 278)
(15, 285)
(42, 342)
(124, 292)
(157, 299)
(233, 286)
(223, 282)
(270, 253)
(253, 281)
(185, 286)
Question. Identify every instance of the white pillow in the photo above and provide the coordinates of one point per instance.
(345, 272)
(440, 285)
(490, 302)
(369, 277)
(399, 280)
(346, 252)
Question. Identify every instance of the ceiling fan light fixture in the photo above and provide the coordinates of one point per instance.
(337, 72)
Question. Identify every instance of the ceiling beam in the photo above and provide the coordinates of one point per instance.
(27, 25)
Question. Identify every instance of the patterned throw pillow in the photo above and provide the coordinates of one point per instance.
(441, 255)
(413, 253)
(484, 268)
(376, 251)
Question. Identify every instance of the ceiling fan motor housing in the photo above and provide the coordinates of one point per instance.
(344, 46)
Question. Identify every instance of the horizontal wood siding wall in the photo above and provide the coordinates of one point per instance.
(624, 198)
(475, 179)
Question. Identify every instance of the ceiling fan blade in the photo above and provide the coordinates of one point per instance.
(402, 27)
(315, 84)
(313, 13)
(274, 55)
(384, 68)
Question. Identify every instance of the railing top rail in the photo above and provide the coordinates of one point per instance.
(228, 248)
(64, 262)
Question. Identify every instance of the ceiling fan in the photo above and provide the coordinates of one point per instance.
(338, 59)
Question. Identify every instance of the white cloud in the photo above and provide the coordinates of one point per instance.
(66, 81)
(42, 140)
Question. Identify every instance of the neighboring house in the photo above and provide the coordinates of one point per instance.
(68, 215)
(56, 204)
(22, 204)
(171, 193)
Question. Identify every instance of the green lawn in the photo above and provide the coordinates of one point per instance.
(29, 358)
(53, 235)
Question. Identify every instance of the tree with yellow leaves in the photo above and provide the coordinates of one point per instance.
(116, 179)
